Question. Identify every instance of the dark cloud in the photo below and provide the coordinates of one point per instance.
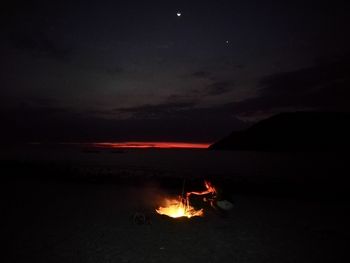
(202, 74)
(304, 80)
(213, 89)
(182, 98)
(219, 88)
(212, 73)
(25, 124)
(101, 65)
(42, 102)
(196, 95)
(320, 87)
(39, 44)
(156, 111)
(114, 70)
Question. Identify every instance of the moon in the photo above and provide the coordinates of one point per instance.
(178, 14)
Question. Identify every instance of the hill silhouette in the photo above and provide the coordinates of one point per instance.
(294, 131)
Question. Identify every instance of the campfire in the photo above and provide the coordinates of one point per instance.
(181, 206)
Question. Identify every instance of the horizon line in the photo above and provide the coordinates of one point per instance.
(152, 144)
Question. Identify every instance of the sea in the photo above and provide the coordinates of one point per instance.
(201, 163)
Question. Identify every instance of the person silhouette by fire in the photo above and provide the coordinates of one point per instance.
(214, 196)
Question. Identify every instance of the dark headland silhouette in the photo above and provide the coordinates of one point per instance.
(294, 131)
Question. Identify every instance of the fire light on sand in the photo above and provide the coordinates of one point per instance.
(179, 208)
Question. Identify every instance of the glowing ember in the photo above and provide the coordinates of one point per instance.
(178, 208)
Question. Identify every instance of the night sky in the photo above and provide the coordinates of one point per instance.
(135, 70)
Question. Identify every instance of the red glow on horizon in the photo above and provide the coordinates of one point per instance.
(159, 145)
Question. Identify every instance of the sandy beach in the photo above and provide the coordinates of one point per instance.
(50, 221)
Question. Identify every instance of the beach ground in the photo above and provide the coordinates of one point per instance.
(47, 221)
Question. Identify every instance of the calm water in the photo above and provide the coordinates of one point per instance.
(197, 162)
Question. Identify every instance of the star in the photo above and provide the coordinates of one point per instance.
(178, 14)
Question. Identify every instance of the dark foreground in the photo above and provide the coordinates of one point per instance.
(84, 221)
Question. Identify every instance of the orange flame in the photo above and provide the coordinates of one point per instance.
(179, 208)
